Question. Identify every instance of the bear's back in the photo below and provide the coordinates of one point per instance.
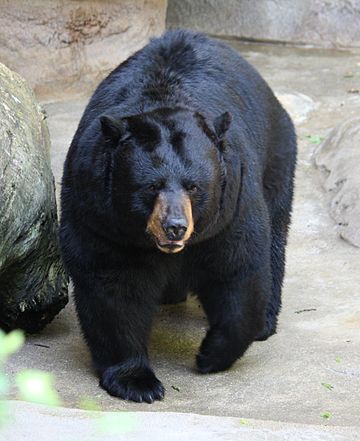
(185, 68)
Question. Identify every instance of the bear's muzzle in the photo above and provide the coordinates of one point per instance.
(171, 223)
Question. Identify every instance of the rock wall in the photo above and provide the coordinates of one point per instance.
(33, 283)
(327, 23)
(64, 46)
(338, 159)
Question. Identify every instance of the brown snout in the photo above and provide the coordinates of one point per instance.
(171, 223)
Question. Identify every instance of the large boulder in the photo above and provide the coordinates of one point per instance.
(33, 283)
(62, 46)
(338, 159)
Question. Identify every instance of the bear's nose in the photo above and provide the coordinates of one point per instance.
(175, 229)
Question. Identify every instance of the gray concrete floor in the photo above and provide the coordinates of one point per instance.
(318, 339)
(39, 423)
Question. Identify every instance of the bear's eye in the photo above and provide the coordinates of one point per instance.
(156, 186)
(191, 188)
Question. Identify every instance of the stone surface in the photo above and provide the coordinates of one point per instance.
(33, 285)
(69, 45)
(298, 105)
(338, 159)
(59, 424)
(329, 23)
(318, 339)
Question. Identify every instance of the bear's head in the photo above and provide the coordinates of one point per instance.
(168, 174)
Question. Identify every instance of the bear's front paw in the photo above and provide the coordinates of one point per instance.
(216, 353)
(132, 383)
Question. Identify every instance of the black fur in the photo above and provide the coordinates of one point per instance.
(184, 112)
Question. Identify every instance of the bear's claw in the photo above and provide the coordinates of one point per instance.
(139, 385)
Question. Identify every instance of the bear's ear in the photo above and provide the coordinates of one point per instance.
(222, 124)
(113, 129)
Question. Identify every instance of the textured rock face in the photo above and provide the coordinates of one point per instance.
(33, 284)
(298, 105)
(69, 45)
(325, 23)
(338, 159)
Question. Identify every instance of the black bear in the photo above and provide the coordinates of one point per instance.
(179, 178)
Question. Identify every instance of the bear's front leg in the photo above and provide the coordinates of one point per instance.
(116, 311)
(236, 313)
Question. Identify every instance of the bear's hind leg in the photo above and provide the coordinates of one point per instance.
(278, 184)
(278, 244)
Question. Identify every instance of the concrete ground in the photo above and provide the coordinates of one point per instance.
(38, 423)
(318, 340)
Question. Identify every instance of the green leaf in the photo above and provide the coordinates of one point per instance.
(116, 423)
(244, 422)
(11, 343)
(338, 360)
(3, 385)
(315, 139)
(89, 404)
(327, 386)
(325, 415)
(37, 387)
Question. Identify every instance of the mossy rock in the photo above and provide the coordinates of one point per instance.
(33, 282)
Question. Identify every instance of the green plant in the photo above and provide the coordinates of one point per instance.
(9, 344)
(38, 387)
(32, 385)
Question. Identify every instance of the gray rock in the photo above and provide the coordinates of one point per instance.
(67, 46)
(325, 23)
(298, 105)
(33, 284)
(338, 159)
